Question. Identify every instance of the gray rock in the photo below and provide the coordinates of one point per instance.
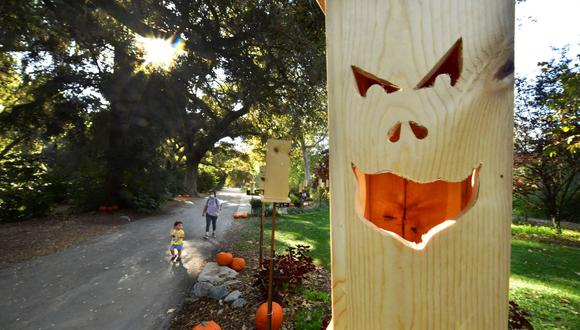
(125, 218)
(231, 282)
(202, 289)
(234, 295)
(215, 274)
(219, 292)
(241, 302)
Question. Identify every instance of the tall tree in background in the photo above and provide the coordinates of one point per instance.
(102, 126)
(547, 161)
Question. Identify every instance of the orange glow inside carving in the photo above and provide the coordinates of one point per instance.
(364, 80)
(414, 211)
(451, 64)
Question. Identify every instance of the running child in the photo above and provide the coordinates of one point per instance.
(176, 247)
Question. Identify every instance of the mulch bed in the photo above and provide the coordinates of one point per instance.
(24, 240)
(229, 318)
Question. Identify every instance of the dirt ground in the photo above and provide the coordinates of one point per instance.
(229, 318)
(21, 241)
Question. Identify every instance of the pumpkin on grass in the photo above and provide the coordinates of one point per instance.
(238, 264)
(262, 316)
(207, 325)
(224, 258)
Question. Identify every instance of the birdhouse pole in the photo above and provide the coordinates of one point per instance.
(420, 98)
(276, 190)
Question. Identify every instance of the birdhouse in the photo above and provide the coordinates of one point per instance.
(420, 122)
(277, 171)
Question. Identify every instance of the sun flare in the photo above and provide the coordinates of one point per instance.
(161, 53)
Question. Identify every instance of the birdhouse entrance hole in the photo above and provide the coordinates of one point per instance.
(414, 211)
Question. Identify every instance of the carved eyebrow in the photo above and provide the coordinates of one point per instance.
(451, 64)
(364, 80)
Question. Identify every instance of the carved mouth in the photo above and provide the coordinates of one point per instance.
(410, 210)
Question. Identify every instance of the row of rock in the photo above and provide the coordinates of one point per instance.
(215, 282)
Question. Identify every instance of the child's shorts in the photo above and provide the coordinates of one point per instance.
(177, 246)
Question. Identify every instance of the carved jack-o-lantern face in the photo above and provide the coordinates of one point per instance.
(414, 211)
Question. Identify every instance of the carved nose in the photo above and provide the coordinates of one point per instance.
(418, 130)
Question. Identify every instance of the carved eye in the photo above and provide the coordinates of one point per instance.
(451, 64)
(364, 80)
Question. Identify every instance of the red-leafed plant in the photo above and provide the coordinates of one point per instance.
(517, 318)
(290, 269)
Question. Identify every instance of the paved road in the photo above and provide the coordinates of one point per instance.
(122, 280)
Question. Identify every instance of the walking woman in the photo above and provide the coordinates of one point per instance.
(211, 211)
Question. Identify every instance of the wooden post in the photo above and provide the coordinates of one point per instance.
(420, 122)
(271, 266)
(261, 237)
(276, 190)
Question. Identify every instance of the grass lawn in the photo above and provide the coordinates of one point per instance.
(545, 267)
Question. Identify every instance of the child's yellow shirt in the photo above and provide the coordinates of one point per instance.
(177, 236)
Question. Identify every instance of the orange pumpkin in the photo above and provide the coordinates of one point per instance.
(262, 316)
(224, 258)
(245, 215)
(102, 208)
(238, 264)
(108, 209)
(236, 216)
(207, 325)
(115, 207)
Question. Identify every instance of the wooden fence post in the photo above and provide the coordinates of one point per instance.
(420, 120)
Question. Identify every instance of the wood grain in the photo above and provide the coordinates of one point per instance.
(460, 279)
(277, 172)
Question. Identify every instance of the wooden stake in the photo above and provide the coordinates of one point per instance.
(261, 236)
(271, 267)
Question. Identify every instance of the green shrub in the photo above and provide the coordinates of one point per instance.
(310, 319)
(206, 181)
(294, 199)
(24, 187)
(321, 197)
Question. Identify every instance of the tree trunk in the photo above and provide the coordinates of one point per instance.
(115, 151)
(556, 223)
(306, 158)
(191, 176)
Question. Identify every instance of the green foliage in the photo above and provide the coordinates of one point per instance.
(310, 318)
(295, 200)
(321, 197)
(314, 295)
(23, 189)
(210, 179)
(83, 123)
(546, 234)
